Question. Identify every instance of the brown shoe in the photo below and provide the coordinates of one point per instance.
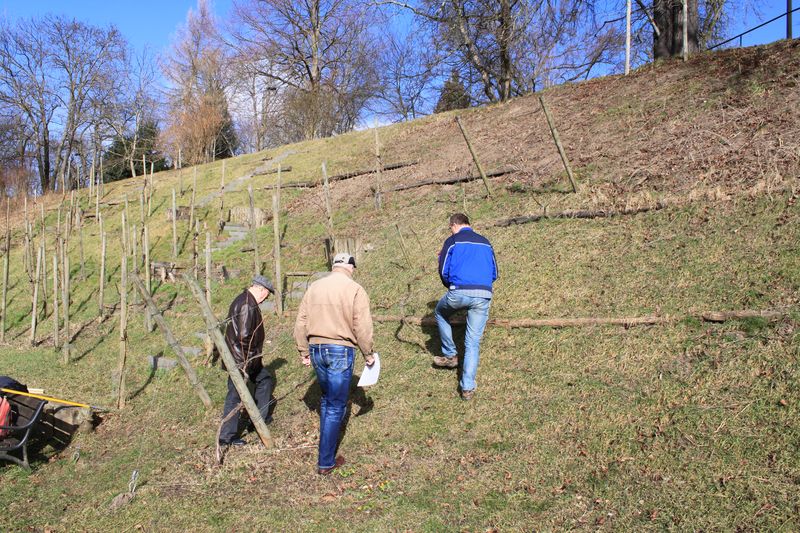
(445, 362)
(325, 471)
(467, 395)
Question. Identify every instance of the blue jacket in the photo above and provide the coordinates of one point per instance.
(467, 261)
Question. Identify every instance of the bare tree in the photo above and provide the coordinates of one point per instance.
(52, 68)
(200, 125)
(502, 48)
(318, 53)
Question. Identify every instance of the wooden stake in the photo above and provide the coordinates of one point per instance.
(560, 147)
(101, 309)
(628, 37)
(230, 363)
(141, 205)
(6, 265)
(65, 286)
(378, 198)
(194, 194)
(35, 300)
(474, 156)
(195, 253)
(209, 344)
(56, 325)
(256, 258)
(222, 218)
(80, 243)
(44, 263)
(123, 321)
(326, 190)
(685, 30)
(172, 341)
(148, 319)
(174, 228)
(277, 253)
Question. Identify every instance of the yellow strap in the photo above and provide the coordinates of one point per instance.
(48, 398)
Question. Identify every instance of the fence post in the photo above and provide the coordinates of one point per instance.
(56, 325)
(35, 302)
(65, 286)
(378, 169)
(123, 321)
(326, 190)
(174, 228)
(6, 259)
(277, 253)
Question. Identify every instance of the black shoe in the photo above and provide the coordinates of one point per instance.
(234, 442)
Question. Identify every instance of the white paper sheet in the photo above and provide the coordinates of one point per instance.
(370, 374)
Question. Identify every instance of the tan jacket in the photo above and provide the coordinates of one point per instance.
(334, 310)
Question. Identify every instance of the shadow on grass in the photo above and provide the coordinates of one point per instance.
(149, 379)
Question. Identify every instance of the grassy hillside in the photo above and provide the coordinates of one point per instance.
(688, 426)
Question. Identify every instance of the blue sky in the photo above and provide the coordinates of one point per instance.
(152, 23)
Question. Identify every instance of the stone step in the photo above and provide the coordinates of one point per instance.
(191, 351)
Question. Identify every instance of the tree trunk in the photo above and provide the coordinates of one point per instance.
(668, 17)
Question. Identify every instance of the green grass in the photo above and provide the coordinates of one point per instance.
(691, 426)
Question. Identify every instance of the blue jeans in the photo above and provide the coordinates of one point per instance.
(477, 315)
(334, 367)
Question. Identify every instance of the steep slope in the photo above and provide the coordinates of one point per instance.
(689, 425)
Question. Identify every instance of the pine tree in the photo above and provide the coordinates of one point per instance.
(453, 96)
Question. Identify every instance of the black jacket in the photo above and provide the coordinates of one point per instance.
(245, 332)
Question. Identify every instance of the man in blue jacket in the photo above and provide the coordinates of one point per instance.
(467, 267)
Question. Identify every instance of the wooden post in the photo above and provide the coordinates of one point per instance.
(789, 19)
(277, 254)
(97, 198)
(35, 302)
(628, 37)
(65, 286)
(326, 190)
(6, 265)
(474, 156)
(195, 253)
(378, 169)
(172, 341)
(80, 243)
(174, 228)
(148, 319)
(44, 263)
(141, 204)
(560, 147)
(191, 205)
(101, 309)
(222, 198)
(56, 325)
(230, 363)
(256, 258)
(123, 321)
(209, 344)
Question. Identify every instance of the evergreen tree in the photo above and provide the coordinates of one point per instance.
(453, 96)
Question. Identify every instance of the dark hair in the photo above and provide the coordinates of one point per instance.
(459, 219)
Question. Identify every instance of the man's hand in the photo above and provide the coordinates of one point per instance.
(370, 359)
(306, 360)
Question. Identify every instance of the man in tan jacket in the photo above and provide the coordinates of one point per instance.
(334, 318)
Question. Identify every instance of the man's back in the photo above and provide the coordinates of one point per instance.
(335, 309)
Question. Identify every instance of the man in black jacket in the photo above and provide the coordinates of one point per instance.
(245, 338)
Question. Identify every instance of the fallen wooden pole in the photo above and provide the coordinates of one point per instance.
(273, 171)
(171, 340)
(230, 363)
(451, 181)
(708, 316)
(599, 213)
(345, 176)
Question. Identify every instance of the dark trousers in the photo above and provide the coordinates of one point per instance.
(264, 384)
